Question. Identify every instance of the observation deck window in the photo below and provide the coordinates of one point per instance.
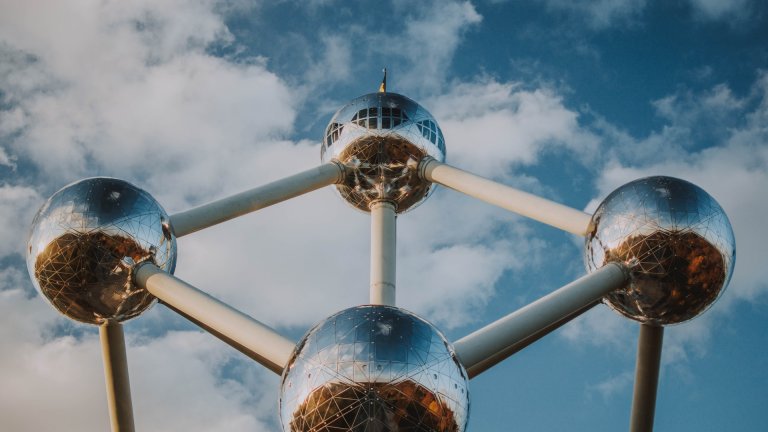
(392, 117)
(369, 117)
(430, 131)
(332, 133)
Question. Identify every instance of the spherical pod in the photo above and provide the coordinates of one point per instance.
(676, 241)
(380, 138)
(374, 368)
(84, 242)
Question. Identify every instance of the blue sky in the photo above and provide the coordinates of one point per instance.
(198, 99)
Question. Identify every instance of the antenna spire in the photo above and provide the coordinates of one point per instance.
(383, 86)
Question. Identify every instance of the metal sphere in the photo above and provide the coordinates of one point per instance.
(380, 138)
(84, 242)
(374, 368)
(675, 239)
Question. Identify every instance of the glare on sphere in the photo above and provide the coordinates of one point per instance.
(677, 242)
(374, 368)
(84, 241)
(380, 138)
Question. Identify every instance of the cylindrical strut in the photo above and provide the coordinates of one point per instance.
(523, 203)
(244, 333)
(649, 345)
(116, 376)
(254, 199)
(495, 342)
(383, 253)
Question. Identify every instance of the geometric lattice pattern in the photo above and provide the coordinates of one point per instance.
(676, 241)
(380, 137)
(84, 241)
(374, 368)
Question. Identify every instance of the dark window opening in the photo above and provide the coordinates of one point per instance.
(332, 133)
(369, 118)
(392, 117)
(430, 131)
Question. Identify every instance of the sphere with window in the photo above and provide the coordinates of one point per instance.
(381, 138)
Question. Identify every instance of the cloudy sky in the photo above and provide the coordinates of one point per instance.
(198, 99)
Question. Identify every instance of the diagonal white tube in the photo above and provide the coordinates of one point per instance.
(222, 210)
(251, 337)
(116, 376)
(495, 342)
(509, 198)
(649, 345)
(383, 253)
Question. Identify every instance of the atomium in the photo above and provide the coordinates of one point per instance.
(380, 138)
(84, 242)
(676, 241)
(374, 368)
(660, 251)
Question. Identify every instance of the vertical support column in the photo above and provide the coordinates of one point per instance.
(116, 376)
(646, 378)
(383, 253)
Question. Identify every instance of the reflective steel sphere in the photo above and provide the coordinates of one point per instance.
(374, 368)
(84, 241)
(380, 138)
(676, 241)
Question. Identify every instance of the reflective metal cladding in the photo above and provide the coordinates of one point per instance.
(676, 241)
(374, 368)
(84, 241)
(380, 138)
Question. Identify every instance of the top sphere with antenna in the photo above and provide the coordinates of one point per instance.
(85, 241)
(380, 138)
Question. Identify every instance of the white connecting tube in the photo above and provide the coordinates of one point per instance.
(244, 333)
(506, 197)
(254, 199)
(495, 342)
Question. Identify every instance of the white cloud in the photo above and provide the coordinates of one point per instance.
(611, 386)
(5, 159)
(601, 327)
(511, 124)
(129, 89)
(176, 116)
(720, 9)
(333, 66)
(429, 41)
(176, 379)
(18, 205)
(463, 277)
(92, 36)
(601, 14)
(193, 395)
